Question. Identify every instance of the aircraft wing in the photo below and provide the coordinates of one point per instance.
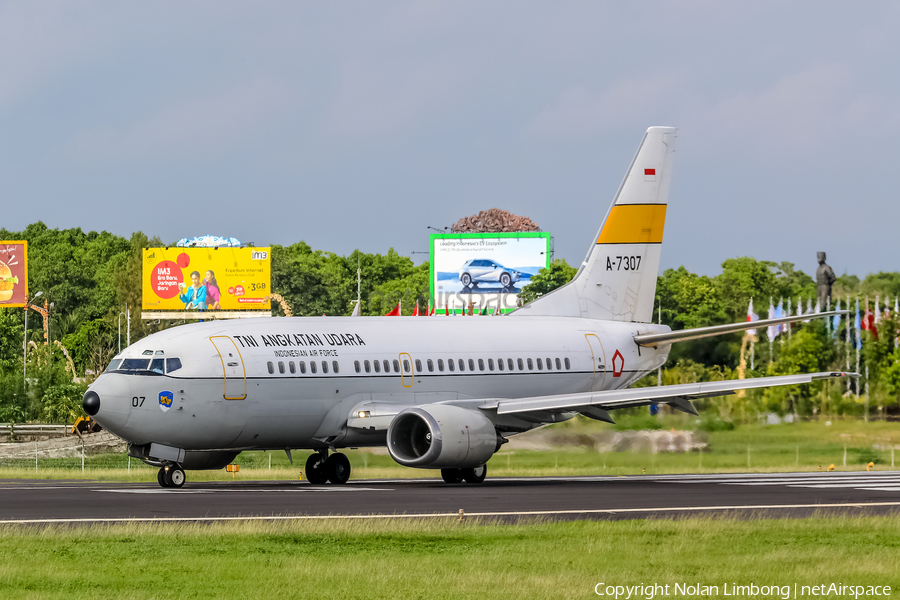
(652, 340)
(678, 396)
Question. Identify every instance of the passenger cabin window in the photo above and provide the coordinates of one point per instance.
(281, 367)
(356, 366)
(451, 365)
(324, 366)
(462, 365)
(530, 365)
(292, 368)
(430, 365)
(418, 365)
(302, 364)
(500, 364)
(568, 366)
(549, 365)
(521, 365)
(157, 365)
(540, 364)
(471, 365)
(509, 362)
(396, 366)
(377, 366)
(335, 367)
(481, 364)
(312, 367)
(558, 365)
(441, 365)
(368, 366)
(271, 368)
(387, 366)
(490, 364)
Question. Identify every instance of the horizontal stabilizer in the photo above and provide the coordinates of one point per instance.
(679, 396)
(652, 340)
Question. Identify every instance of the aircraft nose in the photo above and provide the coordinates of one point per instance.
(91, 403)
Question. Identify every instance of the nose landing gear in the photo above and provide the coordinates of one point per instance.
(321, 468)
(171, 476)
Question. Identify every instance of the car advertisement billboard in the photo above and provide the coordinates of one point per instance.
(13, 273)
(485, 270)
(206, 279)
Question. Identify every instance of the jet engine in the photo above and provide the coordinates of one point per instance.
(441, 436)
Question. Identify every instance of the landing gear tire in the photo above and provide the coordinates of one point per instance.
(505, 280)
(174, 477)
(315, 471)
(337, 469)
(452, 475)
(465, 279)
(161, 478)
(475, 474)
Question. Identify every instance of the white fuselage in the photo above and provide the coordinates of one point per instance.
(241, 384)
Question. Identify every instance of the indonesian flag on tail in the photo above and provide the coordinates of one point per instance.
(395, 312)
(751, 317)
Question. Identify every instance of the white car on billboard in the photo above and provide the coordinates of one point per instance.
(481, 270)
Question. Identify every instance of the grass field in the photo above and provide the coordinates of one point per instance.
(440, 558)
(756, 448)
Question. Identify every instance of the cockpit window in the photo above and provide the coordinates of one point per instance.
(157, 365)
(160, 352)
(147, 353)
(134, 364)
(172, 364)
(114, 365)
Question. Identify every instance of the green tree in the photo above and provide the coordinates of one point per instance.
(548, 279)
(62, 402)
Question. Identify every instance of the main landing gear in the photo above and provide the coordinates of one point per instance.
(473, 475)
(171, 476)
(321, 468)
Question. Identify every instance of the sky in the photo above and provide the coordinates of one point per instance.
(359, 124)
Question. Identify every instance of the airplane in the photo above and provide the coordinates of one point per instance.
(439, 393)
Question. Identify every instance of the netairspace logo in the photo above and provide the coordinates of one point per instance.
(785, 592)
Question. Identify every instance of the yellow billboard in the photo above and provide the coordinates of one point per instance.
(206, 279)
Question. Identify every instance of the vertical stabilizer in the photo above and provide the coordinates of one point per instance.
(617, 280)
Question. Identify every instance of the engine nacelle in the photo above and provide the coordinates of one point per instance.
(441, 436)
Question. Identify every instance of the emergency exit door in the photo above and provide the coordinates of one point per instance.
(233, 371)
(599, 359)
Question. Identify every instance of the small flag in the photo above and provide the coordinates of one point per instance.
(751, 317)
(395, 312)
(773, 330)
(836, 320)
(856, 326)
(877, 309)
(649, 174)
(416, 311)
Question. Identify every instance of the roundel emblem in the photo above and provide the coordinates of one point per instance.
(618, 364)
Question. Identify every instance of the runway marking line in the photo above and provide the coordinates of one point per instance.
(527, 513)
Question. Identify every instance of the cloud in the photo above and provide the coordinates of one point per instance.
(579, 113)
(200, 128)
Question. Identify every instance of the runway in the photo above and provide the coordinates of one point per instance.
(782, 495)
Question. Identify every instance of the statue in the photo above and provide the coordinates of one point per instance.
(494, 221)
(824, 278)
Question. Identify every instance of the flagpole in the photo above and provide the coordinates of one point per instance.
(771, 314)
(847, 338)
(659, 370)
(789, 310)
(858, 345)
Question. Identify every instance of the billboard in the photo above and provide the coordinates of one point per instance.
(485, 269)
(13, 273)
(206, 279)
